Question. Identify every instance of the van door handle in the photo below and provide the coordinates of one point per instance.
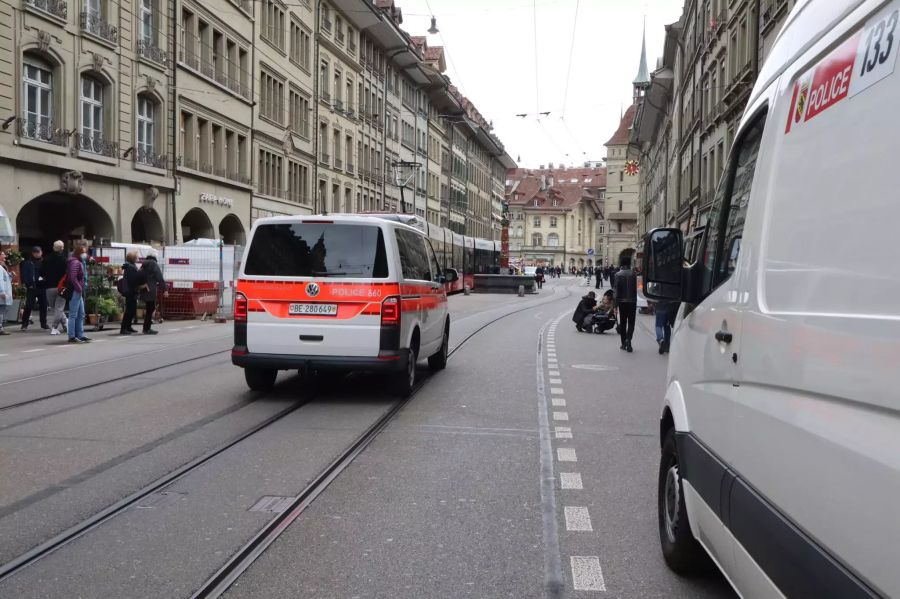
(724, 336)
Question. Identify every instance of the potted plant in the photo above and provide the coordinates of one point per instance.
(91, 305)
(15, 308)
(107, 309)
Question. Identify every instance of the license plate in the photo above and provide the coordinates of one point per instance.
(314, 309)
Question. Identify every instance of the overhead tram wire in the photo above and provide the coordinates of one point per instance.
(537, 96)
(562, 116)
(449, 55)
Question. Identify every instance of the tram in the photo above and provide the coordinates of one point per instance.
(468, 255)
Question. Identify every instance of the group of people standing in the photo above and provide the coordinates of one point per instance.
(622, 296)
(58, 279)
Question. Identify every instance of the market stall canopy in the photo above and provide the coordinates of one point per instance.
(7, 233)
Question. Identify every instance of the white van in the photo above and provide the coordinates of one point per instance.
(780, 430)
(339, 292)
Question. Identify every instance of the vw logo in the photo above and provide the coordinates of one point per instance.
(312, 289)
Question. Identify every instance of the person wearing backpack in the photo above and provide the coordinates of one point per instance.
(132, 282)
(154, 282)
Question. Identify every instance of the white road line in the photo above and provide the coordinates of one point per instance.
(173, 330)
(556, 391)
(578, 519)
(566, 454)
(551, 362)
(560, 415)
(563, 432)
(190, 327)
(3, 355)
(31, 351)
(570, 480)
(556, 381)
(553, 373)
(587, 575)
(558, 402)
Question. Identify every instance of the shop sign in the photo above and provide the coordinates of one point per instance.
(209, 198)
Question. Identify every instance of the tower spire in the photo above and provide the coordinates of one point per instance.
(642, 81)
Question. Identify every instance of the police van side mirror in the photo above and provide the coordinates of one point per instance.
(662, 264)
(450, 275)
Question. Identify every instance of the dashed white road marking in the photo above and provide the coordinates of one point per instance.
(587, 575)
(560, 415)
(556, 391)
(174, 330)
(578, 519)
(31, 351)
(554, 373)
(566, 454)
(570, 480)
(563, 432)
(558, 402)
(556, 381)
(3, 355)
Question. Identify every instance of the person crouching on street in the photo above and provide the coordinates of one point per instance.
(134, 284)
(153, 278)
(54, 269)
(585, 307)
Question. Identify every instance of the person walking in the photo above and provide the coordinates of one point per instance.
(76, 279)
(539, 277)
(598, 273)
(153, 279)
(54, 269)
(625, 289)
(663, 328)
(5, 292)
(35, 288)
(134, 284)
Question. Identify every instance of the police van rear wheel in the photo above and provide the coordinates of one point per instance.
(260, 379)
(406, 379)
(439, 360)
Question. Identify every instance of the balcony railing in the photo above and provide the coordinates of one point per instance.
(326, 97)
(188, 163)
(149, 50)
(96, 25)
(338, 105)
(56, 8)
(148, 158)
(97, 145)
(206, 167)
(236, 176)
(617, 215)
(42, 129)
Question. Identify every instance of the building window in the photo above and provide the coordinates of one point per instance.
(298, 182)
(537, 239)
(553, 240)
(91, 137)
(270, 165)
(324, 82)
(537, 222)
(145, 152)
(552, 221)
(271, 98)
(299, 117)
(273, 24)
(38, 100)
(147, 22)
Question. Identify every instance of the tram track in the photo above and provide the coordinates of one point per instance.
(246, 555)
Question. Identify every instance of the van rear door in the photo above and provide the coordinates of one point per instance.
(315, 287)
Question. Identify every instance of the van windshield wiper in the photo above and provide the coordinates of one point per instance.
(334, 273)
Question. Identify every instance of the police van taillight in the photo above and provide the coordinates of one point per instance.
(390, 311)
(240, 307)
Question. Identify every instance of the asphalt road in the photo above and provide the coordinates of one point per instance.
(446, 502)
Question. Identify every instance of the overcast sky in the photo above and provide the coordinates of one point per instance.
(491, 44)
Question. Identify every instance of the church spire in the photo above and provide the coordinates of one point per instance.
(642, 81)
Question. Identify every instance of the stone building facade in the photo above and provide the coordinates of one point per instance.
(163, 121)
(685, 123)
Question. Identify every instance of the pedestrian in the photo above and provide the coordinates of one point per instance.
(663, 328)
(539, 277)
(625, 289)
(54, 269)
(35, 289)
(5, 292)
(599, 277)
(586, 306)
(134, 283)
(153, 279)
(76, 279)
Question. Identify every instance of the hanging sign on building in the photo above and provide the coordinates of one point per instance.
(209, 198)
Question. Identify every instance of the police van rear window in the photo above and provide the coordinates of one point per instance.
(317, 250)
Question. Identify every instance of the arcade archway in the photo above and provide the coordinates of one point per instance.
(57, 215)
(146, 227)
(231, 231)
(196, 225)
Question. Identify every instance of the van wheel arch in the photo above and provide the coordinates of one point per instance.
(666, 422)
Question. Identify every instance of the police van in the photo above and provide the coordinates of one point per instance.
(780, 429)
(343, 292)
